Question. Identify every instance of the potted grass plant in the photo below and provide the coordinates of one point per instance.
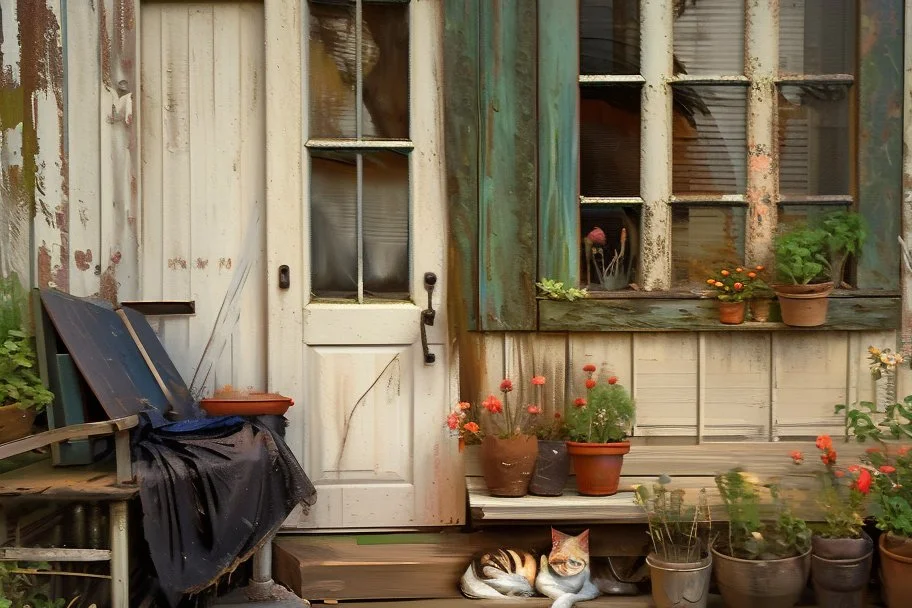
(680, 563)
(842, 552)
(764, 560)
(598, 426)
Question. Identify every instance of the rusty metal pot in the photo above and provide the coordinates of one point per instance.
(552, 468)
(761, 583)
(840, 570)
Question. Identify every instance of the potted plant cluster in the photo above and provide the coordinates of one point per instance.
(809, 259)
(22, 393)
(597, 426)
(733, 289)
(888, 469)
(764, 560)
(842, 552)
(552, 467)
(680, 563)
(509, 448)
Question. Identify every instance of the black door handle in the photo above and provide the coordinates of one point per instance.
(427, 316)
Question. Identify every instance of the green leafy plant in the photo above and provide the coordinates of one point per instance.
(556, 430)
(846, 234)
(605, 415)
(20, 383)
(759, 529)
(21, 588)
(801, 255)
(555, 290)
(679, 531)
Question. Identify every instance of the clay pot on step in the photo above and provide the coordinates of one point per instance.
(840, 570)
(731, 313)
(507, 464)
(804, 305)
(896, 570)
(597, 466)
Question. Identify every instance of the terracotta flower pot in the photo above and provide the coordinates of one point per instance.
(840, 569)
(15, 423)
(597, 466)
(731, 313)
(804, 305)
(552, 468)
(896, 570)
(761, 583)
(760, 309)
(677, 585)
(507, 464)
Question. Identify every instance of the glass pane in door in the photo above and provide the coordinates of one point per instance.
(334, 224)
(386, 225)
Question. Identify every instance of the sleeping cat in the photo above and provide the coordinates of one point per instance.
(563, 575)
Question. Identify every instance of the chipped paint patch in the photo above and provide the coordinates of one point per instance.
(224, 263)
(83, 259)
(201, 263)
(177, 263)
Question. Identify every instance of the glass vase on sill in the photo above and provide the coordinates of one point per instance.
(885, 390)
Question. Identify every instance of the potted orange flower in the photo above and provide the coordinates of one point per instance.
(598, 426)
(509, 447)
(732, 290)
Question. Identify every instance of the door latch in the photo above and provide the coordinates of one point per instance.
(427, 316)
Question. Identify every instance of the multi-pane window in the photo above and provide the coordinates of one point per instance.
(700, 123)
(358, 149)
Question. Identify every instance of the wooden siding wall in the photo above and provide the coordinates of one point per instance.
(694, 386)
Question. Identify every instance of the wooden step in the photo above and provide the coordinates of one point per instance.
(425, 566)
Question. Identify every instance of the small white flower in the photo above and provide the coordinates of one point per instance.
(757, 535)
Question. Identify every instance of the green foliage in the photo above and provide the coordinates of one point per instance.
(19, 379)
(605, 416)
(758, 529)
(846, 234)
(556, 430)
(20, 588)
(555, 290)
(801, 255)
(679, 531)
(843, 506)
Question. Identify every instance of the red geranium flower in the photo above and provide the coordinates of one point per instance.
(872, 451)
(597, 236)
(453, 421)
(580, 402)
(854, 468)
(887, 469)
(589, 367)
(828, 457)
(863, 483)
(824, 442)
(471, 427)
(538, 380)
(492, 404)
(797, 457)
(506, 385)
(612, 380)
(464, 405)
(590, 383)
(903, 450)
(533, 409)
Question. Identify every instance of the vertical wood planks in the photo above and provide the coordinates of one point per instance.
(508, 142)
(736, 390)
(153, 151)
(880, 151)
(461, 118)
(120, 213)
(529, 355)
(83, 114)
(558, 141)
(666, 370)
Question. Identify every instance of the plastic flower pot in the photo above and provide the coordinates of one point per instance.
(804, 305)
(15, 423)
(507, 464)
(731, 313)
(896, 570)
(597, 466)
(552, 468)
(679, 585)
(840, 570)
(761, 583)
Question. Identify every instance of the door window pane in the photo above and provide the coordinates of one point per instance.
(709, 139)
(704, 240)
(709, 37)
(334, 224)
(817, 36)
(609, 37)
(386, 225)
(333, 73)
(610, 140)
(814, 139)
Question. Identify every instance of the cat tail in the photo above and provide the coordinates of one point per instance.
(588, 592)
(498, 585)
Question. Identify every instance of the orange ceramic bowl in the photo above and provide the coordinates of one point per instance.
(250, 404)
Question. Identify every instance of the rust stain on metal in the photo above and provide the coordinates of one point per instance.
(83, 259)
(201, 263)
(108, 285)
(177, 263)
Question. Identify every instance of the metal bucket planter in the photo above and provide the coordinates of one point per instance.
(840, 570)
(507, 464)
(15, 423)
(679, 585)
(896, 570)
(552, 468)
(761, 583)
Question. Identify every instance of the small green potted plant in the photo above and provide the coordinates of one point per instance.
(842, 552)
(552, 467)
(598, 426)
(680, 562)
(764, 560)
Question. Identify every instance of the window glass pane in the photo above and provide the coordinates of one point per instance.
(814, 140)
(609, 37)
(333, 221)
(791, 216)
(709, 37)
(704, 239)
(610, 140)
(386, 225)
(333, 70)
(609, 263)
(817, 36)
(709, 145)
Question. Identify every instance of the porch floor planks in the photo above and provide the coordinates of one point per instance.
(97, 481)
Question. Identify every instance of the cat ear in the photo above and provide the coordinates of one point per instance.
(583, 540)
(557, 537)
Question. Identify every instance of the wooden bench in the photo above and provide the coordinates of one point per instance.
(110, 482)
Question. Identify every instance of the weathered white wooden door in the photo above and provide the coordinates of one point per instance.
(369, 423)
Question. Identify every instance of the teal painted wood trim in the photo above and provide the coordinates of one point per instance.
(508, 154)
(880, 82)
(461, 128)
(558, 141)
(653, 314)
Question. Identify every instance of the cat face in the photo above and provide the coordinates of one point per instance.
(569, 554)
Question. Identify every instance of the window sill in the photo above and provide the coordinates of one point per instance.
(848, 311)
